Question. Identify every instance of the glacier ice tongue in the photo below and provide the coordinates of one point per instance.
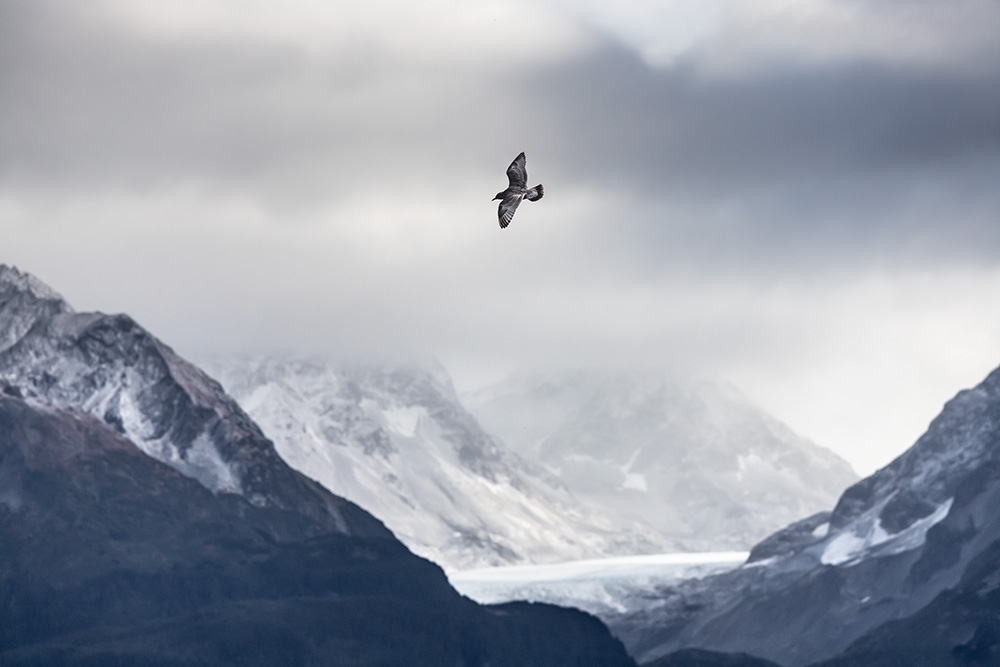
(605, 586)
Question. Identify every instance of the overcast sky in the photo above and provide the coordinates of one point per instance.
(800, 196)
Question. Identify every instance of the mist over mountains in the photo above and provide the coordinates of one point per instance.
(689, 456)
(146, 520)
(904, 570)
(587, 465)
(396, 440)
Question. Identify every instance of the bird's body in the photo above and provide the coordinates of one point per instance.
(518, 189)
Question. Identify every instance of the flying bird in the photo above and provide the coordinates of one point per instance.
(518, 189)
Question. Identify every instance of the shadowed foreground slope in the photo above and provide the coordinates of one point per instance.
(146, 520)
(111, 555)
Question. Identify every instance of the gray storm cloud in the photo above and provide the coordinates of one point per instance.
(850, 155)
(318, 175)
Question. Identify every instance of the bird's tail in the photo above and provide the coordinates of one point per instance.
(535, 193)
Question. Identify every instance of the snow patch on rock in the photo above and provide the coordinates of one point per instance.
(850, 546)
(13, 279)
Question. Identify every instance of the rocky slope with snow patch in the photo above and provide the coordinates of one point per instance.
(146, 520)
(691, 457)
(110, 367)
(921, 534)
(396, 440)
(111, 557)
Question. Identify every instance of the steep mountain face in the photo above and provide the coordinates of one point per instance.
(146, 520)
(907, 559)
(961, 626)
(692, 458)
(24, 300)
(111, 368)
(111, 557)
(396, 441)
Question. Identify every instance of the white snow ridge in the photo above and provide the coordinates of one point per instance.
(690, 457)
(396, 440)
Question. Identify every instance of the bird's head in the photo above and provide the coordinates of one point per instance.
(500, 195)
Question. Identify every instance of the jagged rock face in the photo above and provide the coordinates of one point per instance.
(24, 300)
(691, 457)
(146, 520)
(111, 557)
(396, 440)
(961, 626)
(898, 544)
(111, 368)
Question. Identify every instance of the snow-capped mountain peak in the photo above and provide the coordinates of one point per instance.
(110, 367)
(395, 439)
(12, 280)
(896, 542)
(109, 556)
(690, 456)
(24, 300)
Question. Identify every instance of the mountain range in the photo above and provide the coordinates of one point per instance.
(146, 520)
(689, 456)
(396, 440)
(709, 471)
(904, 570)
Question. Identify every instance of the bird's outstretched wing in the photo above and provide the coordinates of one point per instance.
(516, 173)
(509, 204)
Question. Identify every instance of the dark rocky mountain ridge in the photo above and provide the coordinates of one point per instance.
(145, 520)
(916, 541)
(110, 367)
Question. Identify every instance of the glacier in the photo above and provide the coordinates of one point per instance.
(903, 565)
(601, 586)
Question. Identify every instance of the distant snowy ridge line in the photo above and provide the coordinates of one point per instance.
(395, 439)
(691, 457)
